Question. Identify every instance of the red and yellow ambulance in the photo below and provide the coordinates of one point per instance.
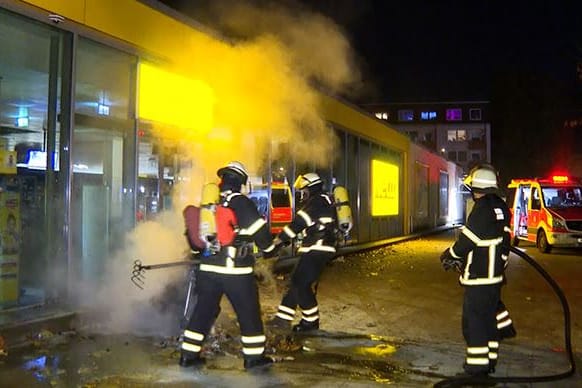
(279, 209)
(547, 212)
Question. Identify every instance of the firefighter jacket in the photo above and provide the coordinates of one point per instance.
(317, 220)
(484, 242)
(237, 258)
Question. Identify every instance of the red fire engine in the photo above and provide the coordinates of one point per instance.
(547, 212)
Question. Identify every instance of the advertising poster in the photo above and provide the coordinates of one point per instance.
(385, 178)
(7, 162)
(10, 235)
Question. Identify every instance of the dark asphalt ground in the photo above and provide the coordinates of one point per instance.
(389, 316)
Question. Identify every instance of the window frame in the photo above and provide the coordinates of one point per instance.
(475, 110)
(405, 115)
(454, 114)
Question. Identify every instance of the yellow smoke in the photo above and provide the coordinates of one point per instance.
(221, 101)
(241, 100)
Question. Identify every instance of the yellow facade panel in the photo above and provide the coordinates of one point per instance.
(141, 26)
(172, 99)
(340, 113)
(69, 9)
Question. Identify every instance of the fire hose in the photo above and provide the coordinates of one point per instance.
(486, 380)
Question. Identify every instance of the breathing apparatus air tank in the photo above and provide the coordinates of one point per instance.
(343, 210)
(207, 228)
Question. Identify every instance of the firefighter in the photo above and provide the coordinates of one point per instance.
(480, 254)
(317, 221)
(229, 272)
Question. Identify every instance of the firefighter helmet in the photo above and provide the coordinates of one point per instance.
(482, 179)
(307, 185)
(308, 180)
(236, 170)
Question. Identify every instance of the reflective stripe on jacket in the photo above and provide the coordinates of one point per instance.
(317, 220)
(484, 242)
(239, 260)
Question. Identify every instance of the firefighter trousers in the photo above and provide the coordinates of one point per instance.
(302, 290)
(480, 327)
(242, 293)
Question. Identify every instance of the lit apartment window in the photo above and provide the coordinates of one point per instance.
(428, 115)
(455, 114)
(475, 114)
(405, 115)
(456, 135)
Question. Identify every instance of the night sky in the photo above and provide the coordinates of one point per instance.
(451, 49)
(426, 50)
(520, 55)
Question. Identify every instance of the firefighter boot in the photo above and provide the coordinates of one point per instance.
(279, 325)
(507, 332)
(475, 379)
(188, 360)
(305, 326)
(257, 363)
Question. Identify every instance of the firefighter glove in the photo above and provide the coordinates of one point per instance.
(449, 262)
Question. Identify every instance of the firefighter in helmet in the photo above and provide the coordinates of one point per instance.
(480, 255)
(317, 222)
(230, 272)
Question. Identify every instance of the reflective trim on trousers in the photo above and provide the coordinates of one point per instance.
(193, 335)
(285, 313)
(253, 351)
(477, 360)
(255, 339)
(191, 347)
(310, 315)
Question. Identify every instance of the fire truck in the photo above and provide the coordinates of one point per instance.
(547, 212)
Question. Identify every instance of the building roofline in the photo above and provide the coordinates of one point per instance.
(426, 103)
(185, 19)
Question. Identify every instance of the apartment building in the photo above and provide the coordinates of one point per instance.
(458, 130)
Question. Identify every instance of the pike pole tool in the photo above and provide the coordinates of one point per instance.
(139, 269)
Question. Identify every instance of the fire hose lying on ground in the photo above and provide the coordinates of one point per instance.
(464, 381)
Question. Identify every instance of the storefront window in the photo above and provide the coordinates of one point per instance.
(103, 186)
(30, 64)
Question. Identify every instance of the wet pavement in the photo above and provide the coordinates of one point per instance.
(387, 319)
(322, 359)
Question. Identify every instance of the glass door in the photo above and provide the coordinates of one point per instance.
(31, 199)
(103, 158)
